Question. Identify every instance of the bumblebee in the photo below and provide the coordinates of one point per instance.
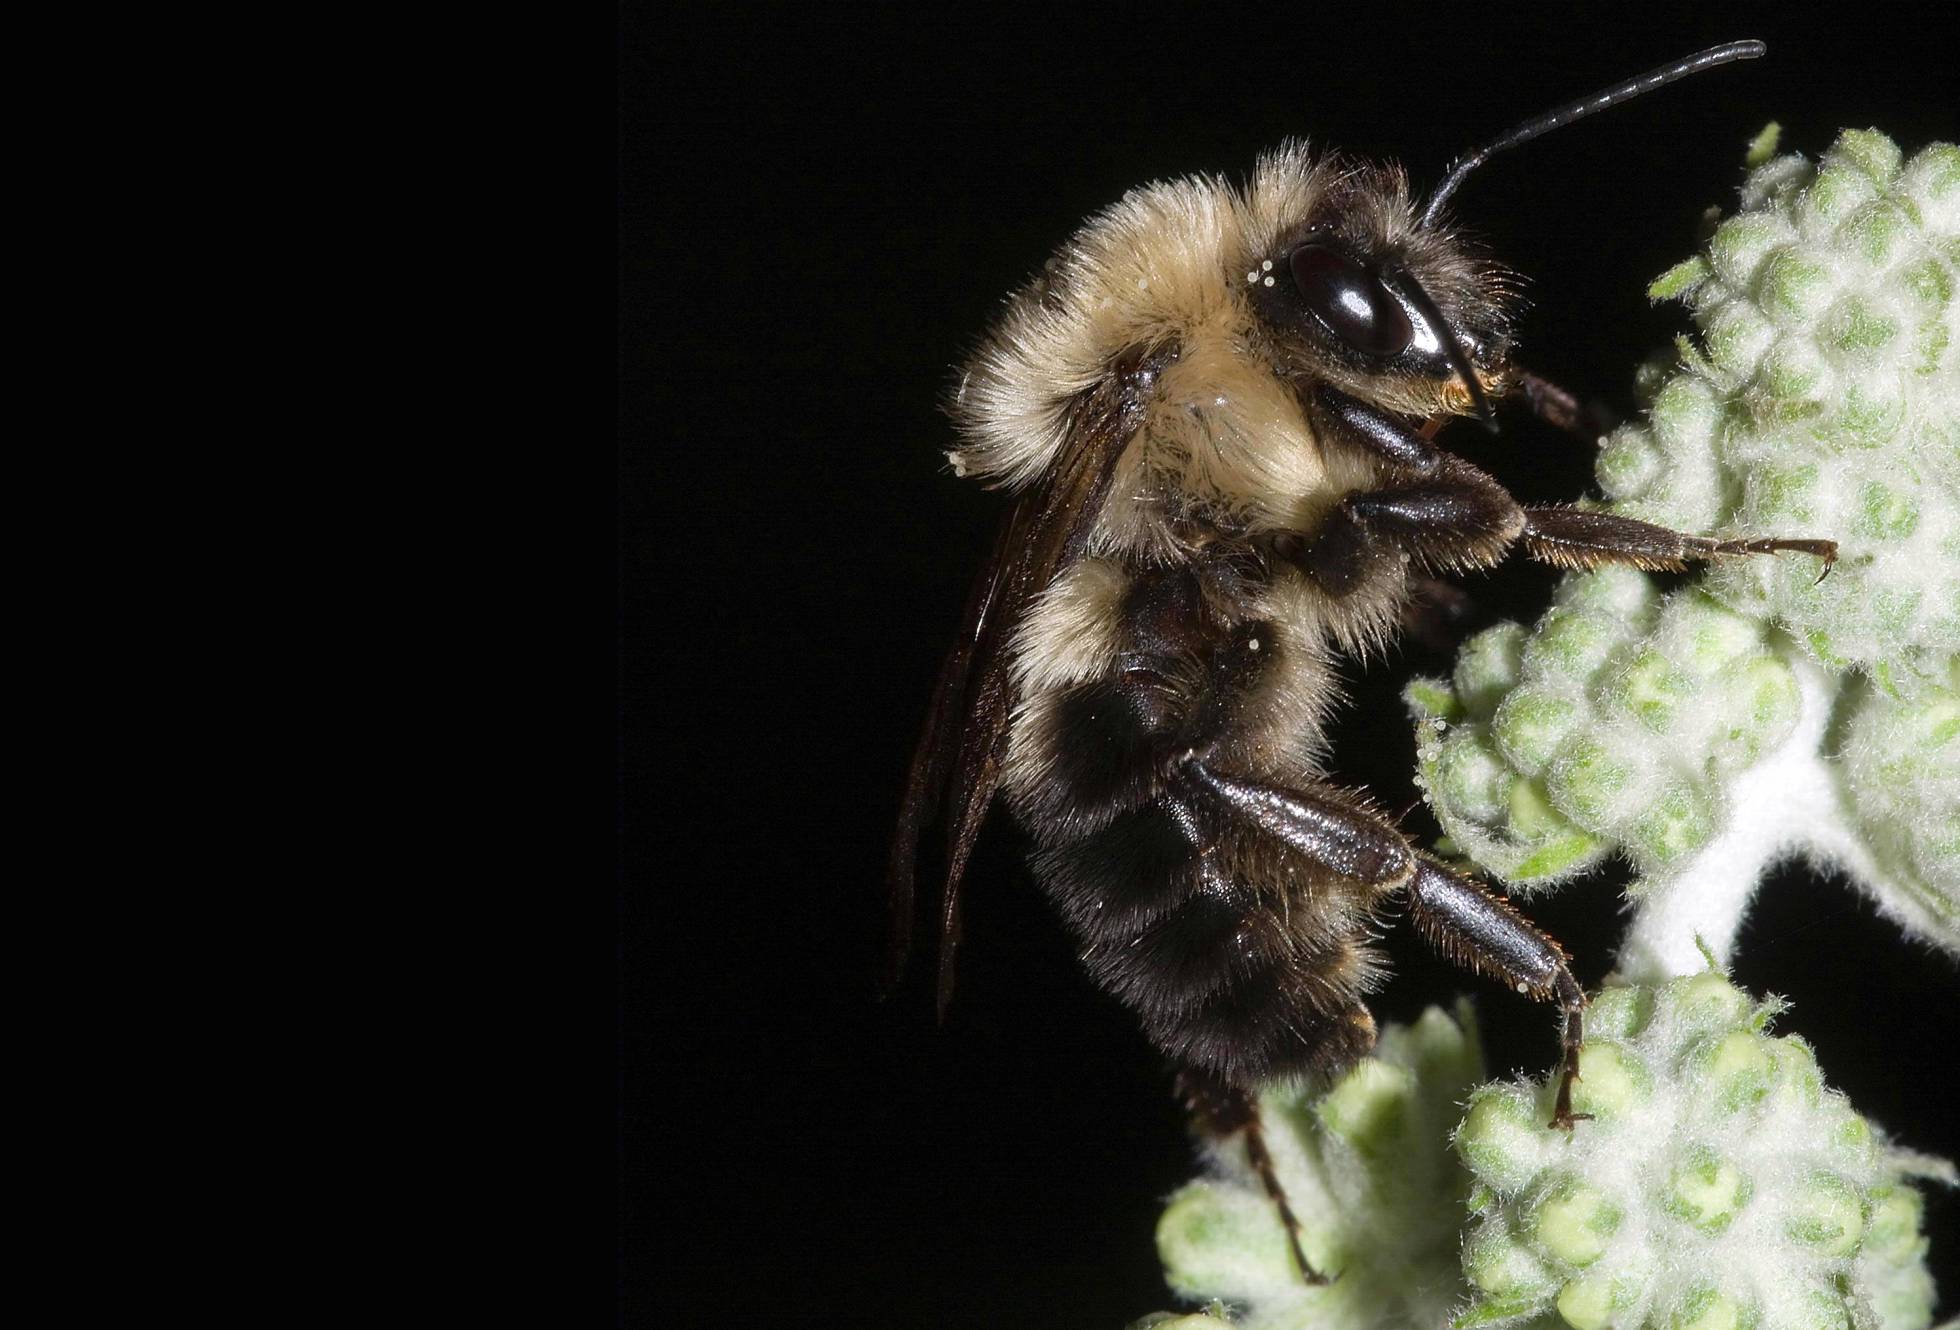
(1216, 407)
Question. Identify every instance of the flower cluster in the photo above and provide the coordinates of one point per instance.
(1718, 1185)
(1763, 710)
(1367, 1167)
(1616, 723)
(1824, 400)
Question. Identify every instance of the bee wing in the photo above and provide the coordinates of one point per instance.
(949, 733)
(958, 757)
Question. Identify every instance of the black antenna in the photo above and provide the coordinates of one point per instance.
(1579, 110)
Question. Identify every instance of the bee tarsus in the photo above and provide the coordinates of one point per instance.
(1222, 1109)
(1580, 538)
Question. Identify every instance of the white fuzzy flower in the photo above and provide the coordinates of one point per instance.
(1720, 1185)
(1759, 713)
(1823, 400)
(1367, 1168)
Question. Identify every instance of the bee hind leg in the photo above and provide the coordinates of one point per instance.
(1221, 1108)
(1325, 824)
(1480, 930)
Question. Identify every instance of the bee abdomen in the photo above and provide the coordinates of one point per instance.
(1246, 981)
(1240, 951)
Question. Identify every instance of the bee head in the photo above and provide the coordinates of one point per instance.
(1407, 314)
(1370, 281)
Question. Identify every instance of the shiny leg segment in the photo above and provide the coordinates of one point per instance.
(1575, 538)
(1481, 930)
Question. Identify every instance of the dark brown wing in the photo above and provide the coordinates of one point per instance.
(925, 780)
(959, 754)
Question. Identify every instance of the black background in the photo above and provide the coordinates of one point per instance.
(821, 211)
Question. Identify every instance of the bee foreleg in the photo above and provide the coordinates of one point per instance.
(1221, 1108)
(1562, 410)
(1481, 930)
(1577, 538)
(1456, 518)
(1380, 433)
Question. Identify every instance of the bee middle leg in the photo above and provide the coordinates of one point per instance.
(1464, 919)
(1481, 930)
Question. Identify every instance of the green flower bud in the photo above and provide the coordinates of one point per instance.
(1702, 1003)
(1706, 1190)
(1797, 1075)
(1596, 1300)
(1366, 1156)
(1740, 1067)
(1893, 1231)
(1678, 823)
(1569, 643)
(1612, 1080)
(1587, 783)
(1531, 724)
(1487, 666)
(1619, 1013)
(1710, 1309)
(1211, 1239)
(1502, 1137)
(1369, 1108)
(1826, 1215)
(1573, 1222)
(1653, 689)
(1474, 777)
(1795, 287)
(1504, 1267)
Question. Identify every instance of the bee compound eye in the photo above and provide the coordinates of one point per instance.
(1350, 301)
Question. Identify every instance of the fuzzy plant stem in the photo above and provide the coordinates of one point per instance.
(1790, 803)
